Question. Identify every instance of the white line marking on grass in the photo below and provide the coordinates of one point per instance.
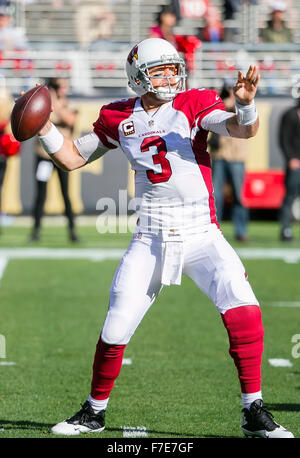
(135, 431)
(278, 362)
(7, 363)
(61, 253)
(291, 260)
(101, 254)
(126, 362)
(288, 255)
(285, 304)
(2, 346)
(3, 264)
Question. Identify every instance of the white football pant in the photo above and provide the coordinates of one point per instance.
(150, 263)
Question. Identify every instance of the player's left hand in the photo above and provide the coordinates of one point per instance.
(246, 86)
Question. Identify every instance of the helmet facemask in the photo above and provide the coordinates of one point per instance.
(168, 91)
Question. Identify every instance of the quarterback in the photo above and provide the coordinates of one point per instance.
(163, 133)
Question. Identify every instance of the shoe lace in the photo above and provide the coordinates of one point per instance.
(83, 416)
(266, 416)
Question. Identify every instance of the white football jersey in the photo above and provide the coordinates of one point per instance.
(167, 149)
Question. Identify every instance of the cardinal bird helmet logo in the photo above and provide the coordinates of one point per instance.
(133, 54)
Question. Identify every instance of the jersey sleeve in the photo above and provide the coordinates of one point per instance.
(215, 121)
(111, 116)
(198, 103)
(106, 130)
(208, 101)
(90, 147)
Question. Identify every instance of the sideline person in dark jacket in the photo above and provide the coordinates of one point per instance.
(289, 139)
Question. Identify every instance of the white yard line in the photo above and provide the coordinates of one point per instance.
(3, 265)
(279, 362)
(61, 253)
(289, 255)
(2, 346)
(101, 254)
(127, 362)
(284, 304)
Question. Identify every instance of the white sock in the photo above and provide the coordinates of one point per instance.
(98, 405)
(248, 398)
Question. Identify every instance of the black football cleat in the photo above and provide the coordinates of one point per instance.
(258, 422)
(73, 236)
(34, 236)
(84, 421)
(286, 235)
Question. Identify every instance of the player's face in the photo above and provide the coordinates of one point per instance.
(163, 75)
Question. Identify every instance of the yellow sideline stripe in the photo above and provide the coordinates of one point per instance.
(258, 157)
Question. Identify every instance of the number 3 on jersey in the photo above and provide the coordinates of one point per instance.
(158, 158)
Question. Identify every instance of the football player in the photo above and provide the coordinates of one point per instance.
(163, 133)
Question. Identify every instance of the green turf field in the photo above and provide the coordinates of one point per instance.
(182, 382)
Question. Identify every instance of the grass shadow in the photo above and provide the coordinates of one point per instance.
(284, 407)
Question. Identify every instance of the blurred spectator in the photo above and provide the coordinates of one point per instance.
(276, 30)
(166, 21)
(57, 4)
(185, 44)
(64, 117)
(228, 165)
(11, 38)
(193, 8)
(5, 104)
(213, 29)
(231, 7)
(94, 20)
(289, 139)
(175, 5)
(8, 145)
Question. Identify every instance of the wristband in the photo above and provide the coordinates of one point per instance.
(246, 114)
(52, 141)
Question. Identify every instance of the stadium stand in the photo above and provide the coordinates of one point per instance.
(96, 68)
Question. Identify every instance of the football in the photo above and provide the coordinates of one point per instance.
(30, 113)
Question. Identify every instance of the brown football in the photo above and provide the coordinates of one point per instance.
(30, 113)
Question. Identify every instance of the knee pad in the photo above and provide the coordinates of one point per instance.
(115, 331)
